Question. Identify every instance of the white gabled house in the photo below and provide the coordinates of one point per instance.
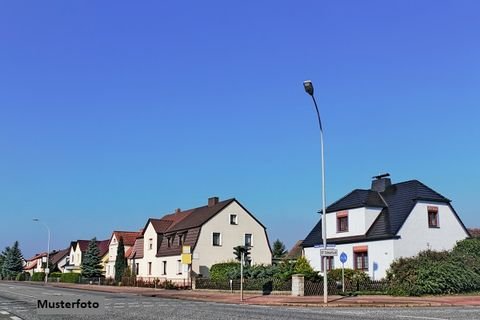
(78, 249)
(129, 238)
(211, 231)
(376, 226)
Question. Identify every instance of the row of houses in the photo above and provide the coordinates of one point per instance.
(155, 251)
(371, 227)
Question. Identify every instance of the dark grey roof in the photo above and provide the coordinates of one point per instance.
(397, 201)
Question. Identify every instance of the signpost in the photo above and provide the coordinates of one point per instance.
(343, 259)
(328, 252)
(375, 268)
(187, 259)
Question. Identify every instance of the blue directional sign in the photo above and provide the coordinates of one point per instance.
(343, 257)
(375, 266)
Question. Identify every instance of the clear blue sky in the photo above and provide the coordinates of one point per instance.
(113, 111)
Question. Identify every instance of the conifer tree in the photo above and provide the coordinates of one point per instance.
(120, 261)
(279, 251)
(13, 263)
(91, 262)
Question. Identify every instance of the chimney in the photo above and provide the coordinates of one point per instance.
(381, 182)
(212, 201)
(178, 210)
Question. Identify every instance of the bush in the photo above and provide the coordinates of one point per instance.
(38, 276)
(22, 276)
(70, 277)
(224, 270)
(350, 275)
(55, 275)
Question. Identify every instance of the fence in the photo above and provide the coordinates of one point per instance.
(267, 286)
(311, 288)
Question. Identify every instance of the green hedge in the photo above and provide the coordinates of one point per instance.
(431, 272)
(38, 276)
(70, 277)
(22, 276)
(55, 275)
(223, 271)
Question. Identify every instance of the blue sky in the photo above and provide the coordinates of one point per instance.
(112, 112)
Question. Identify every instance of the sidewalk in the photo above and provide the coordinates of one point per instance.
(281, 300)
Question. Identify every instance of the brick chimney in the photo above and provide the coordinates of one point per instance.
(381, 182)
(212, 201)
(178, 210)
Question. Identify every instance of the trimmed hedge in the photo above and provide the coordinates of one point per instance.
(55, 275)
(38, 276)
(23, 276)
(223, 271)
(70, 277)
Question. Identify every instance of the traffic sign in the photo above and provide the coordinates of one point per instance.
(375, 266)
(328, 252)
(343, 257)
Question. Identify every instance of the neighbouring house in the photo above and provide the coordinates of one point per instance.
(35, 264)
(211, 232)
(388, 221)
(77, 250)
(474, 232)
(129, 238)
(296, 252)
(59, 259)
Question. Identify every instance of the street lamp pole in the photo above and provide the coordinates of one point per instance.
(308, 85)
(47, 269)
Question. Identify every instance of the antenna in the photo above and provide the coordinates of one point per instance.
(380, 176)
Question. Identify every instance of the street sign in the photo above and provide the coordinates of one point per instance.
(186, 258)
(47, 270)
(328, 252)
(343, 257)
(375, 266)
(318, 246)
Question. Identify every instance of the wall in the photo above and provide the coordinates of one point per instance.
(380, 252)
(205, 254)
(417, 236)
(150, 255)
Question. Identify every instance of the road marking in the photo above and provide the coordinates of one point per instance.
(15, 318)
(426, 318)
(4, 312)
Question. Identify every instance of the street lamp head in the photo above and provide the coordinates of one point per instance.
(308, 85)
(35, 219)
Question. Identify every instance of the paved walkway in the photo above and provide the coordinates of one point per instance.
(284, 300)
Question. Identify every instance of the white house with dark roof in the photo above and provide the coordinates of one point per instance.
(389, 221)
(129, 238)
(211, 231)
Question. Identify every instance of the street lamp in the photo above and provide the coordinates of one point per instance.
(308, 85)
(47, 269)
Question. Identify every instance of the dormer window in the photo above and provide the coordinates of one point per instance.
(181, 239)
(433, 217)
(342, 221)
(150, 244)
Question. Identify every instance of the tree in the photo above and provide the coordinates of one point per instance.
(120, 261)
(91, 264)
(13, 262)
(279, 250)
(239, 250)
(3, 256)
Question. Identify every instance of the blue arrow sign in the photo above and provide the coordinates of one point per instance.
(375, 266)
(343, 257)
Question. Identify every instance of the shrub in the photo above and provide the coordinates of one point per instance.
(38, 276)
(350, 275)
(70, 277)
(55, 275)
(22, 276)
(224, 271)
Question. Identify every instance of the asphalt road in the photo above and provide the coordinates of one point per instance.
(19, 301)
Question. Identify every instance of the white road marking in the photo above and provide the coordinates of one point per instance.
(416, 317)
(15, 318)
(4, 312)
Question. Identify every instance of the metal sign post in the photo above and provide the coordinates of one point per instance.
(241, 277)
(343, 259)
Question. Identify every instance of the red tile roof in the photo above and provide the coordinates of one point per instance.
(128, 236)
(101, 244)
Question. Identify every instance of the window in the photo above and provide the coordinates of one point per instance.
(216, 239)
(360, 258)
(433, 217)
(233, 219)
(164, 271)
(329, 263)
(342, 221)
(150, 244)
(137, 266)
(169, 242)
(181, 239)
(248, 239)
(179, 266)
(149, 268)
